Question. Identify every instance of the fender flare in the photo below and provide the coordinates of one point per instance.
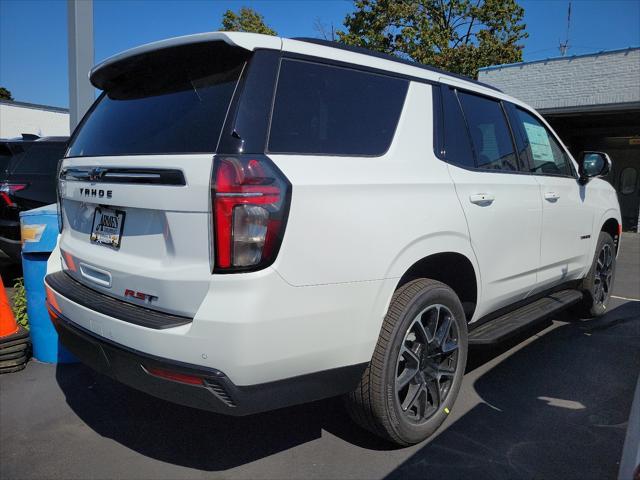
(415, 251)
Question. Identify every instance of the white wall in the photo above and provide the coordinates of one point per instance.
(18, 119)
(583, 80)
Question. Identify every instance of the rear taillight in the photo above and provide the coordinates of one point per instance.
(250, 203)
(60, 186)
(7, 190)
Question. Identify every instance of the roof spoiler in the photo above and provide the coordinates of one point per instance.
(109, 68)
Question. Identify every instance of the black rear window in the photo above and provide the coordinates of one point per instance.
(323, 109)
(5, 156)
(40, 158)
(10, 155)
(169, 101)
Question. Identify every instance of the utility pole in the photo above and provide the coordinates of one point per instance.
(564, 46)
(80, 41)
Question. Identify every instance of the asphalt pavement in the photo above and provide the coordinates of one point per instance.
(553, 403)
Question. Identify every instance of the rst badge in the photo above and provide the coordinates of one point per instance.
(140, 296)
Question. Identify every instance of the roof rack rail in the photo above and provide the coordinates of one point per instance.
(386, 56)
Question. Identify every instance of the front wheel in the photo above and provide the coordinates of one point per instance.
(416, 371)
(598, 283)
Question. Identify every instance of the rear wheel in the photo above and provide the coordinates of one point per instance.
(598, 284)
(413, 379)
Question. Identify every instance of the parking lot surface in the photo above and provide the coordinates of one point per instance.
(553, 403)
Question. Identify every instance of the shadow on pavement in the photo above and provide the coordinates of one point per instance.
(556, 408)
(193, 438)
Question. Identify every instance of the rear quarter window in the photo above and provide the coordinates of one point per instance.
(40, 159)
(324, 109)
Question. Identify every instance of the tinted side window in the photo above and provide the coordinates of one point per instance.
(41, 159)
(544, 151)
(457, 145)
(489, 133)
(322, 109)
(628, 178)
(522, 145)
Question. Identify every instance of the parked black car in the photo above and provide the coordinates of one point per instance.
(28, 168)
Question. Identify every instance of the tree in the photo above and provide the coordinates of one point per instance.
(5, 94)
(247, 20)
(327, 32)
(459, 36)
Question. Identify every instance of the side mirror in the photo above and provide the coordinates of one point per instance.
(593, 164)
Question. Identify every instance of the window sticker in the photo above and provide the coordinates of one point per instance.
(539, 141)
(489, 141)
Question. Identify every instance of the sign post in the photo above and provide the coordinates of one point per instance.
(80, 40)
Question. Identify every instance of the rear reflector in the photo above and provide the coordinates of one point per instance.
(68, 260)
(175, 376)
(53, 314)
(51, 300)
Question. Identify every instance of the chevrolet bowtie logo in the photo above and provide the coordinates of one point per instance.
(96, 174)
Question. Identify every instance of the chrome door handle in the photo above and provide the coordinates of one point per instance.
(551, 196)
(483, 199)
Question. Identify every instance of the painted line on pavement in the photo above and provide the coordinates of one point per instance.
(625, 298)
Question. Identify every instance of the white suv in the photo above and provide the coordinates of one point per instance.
(250, 222)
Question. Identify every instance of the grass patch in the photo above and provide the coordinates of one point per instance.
(20, 303)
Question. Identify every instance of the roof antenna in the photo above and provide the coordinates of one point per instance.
(564, 46)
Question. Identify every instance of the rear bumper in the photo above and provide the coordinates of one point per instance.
(254, 327)
(217, 392)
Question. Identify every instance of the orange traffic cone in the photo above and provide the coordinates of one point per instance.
(14, 340)
(8, 324)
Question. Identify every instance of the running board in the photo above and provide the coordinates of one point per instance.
(516, 321)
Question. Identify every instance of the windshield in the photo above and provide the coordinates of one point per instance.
(171, 101)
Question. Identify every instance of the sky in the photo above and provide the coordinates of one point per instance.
(33, 33)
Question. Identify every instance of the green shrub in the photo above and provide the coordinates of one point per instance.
(20, 303)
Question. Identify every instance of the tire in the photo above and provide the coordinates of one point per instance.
(598, 283)
(404, 353)
(13, 362)
(13, 369)
(12, 356)
(14, 348)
